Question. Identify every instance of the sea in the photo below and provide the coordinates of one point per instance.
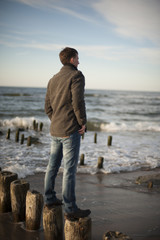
(132, 118)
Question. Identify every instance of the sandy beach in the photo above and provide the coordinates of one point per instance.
(116, 201)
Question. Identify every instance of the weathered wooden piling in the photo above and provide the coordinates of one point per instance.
(112, 235)
(36, 129)
(34, 124)
(95, 138)
(41, 126)
(8, 134)
(82, 159)
(17, 136)
(100, 162)
(53, 222)
(22, 138)
(5, 198)
(18, 192)
(150, 184)
(82, 136)
(34, 205)
(109, 140)
(29, 141)
(78, 230)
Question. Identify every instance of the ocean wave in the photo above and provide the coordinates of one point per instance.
(24, 122)
(118, 127)
(27, 123)
(136, 127)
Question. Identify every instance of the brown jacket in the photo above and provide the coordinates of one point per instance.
(64, 102)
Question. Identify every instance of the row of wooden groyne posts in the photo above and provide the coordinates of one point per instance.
(27, 206)
(31, 140)
(39, 127)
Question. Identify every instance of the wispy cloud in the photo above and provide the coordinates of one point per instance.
(107, 53)
(32, 45)
(135, 19)
(66, 7)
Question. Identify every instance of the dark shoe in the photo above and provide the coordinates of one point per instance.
(78, 214)
(56, 203)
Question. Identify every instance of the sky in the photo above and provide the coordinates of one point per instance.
(118, 42)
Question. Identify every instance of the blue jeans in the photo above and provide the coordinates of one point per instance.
(68, 149)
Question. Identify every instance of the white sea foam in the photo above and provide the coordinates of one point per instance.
(139, 126)
(17, 122)
(21, 170)
(27, 122)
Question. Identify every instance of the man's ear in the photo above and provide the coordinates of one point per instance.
(72, 60)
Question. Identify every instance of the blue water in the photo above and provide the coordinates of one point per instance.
(132, 118)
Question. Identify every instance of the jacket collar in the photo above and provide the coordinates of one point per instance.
(71, 65)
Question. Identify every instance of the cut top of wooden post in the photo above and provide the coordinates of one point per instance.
(79, 229)
(6, 176)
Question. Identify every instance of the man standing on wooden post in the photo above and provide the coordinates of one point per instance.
(65, 106)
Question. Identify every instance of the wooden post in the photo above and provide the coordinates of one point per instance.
(34, 124)
(82, 159)
(78, 230)
(22, 138)
(29, 141)
(53, 222)
(109, 140)
(36, 129)
(150, 184)
(5, 199)
(17, 136)
(83, 136)
(8, 134)
(41, 126)
(95, 138)
(112, 235)
(100, 162)
(19, 190)
(34, 204)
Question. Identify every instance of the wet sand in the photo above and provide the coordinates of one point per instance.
(116, 201)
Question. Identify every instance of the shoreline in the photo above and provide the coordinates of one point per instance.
(116, 201)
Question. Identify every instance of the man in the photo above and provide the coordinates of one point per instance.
(65, 106)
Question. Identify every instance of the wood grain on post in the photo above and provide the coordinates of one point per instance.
(100, 162)
(78, 230)
(53, 222)
(18, 190)
(34, 204)
(5, 198)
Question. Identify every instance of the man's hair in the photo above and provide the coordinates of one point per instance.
(66, 54)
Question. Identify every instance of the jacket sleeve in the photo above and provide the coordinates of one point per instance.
(48, 108)
(78, 103)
